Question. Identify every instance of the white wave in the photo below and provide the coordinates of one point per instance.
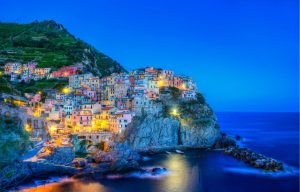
(289, 171)
(138, 174)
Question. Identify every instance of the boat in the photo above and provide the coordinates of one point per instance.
(180, 152)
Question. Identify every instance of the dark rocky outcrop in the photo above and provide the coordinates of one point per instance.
(80, 162)
(224, 141)
(58, 155)
(18, 172)
(123, 166)
(119, 159)
(255, 159)
(119, 152)
(158, 170)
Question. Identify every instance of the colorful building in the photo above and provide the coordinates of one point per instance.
(64, 72)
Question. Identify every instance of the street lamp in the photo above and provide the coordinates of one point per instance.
(66, 90)
(175, 112)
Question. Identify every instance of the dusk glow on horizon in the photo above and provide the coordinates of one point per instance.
(243, 55)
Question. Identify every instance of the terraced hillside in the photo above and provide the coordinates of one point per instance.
(51, 45)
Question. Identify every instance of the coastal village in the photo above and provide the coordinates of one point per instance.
(94, 108)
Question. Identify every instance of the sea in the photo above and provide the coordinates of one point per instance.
(273, 134)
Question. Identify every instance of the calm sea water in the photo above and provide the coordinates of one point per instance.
(273, 134)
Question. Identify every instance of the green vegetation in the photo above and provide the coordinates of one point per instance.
(173, 91)
(192, 112)
(31, 87)
(13, 140)
(51, 45)
(42, 85)
(6, 87)
(200, 98)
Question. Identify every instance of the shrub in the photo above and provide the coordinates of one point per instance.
(200, 98)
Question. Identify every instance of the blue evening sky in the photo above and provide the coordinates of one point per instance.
(243, 54)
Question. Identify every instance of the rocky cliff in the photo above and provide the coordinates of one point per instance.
(193, 125)
(14, 141)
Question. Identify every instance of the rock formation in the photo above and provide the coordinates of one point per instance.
(194, 125)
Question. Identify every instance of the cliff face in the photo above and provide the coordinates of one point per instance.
(194, 125)
(199, 135)
(153, 131)
(13, 138)
(199, 127)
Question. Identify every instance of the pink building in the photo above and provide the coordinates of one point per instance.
(123, 119)
(90, 94)
(178, 82)
(85, 118)
(166, 73)
(28, 71)
(64, 72)
(82, 118)
(113, 123)
(36, 98)
(49, 104)
(152, 71)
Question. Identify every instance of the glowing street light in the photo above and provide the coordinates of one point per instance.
(37, 112)
(52, 128)
(160, 83)
(66, 90)
(175, 112)
(27, 128)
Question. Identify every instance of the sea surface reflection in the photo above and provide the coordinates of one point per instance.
(275, 135)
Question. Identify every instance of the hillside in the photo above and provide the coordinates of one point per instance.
(51, 45)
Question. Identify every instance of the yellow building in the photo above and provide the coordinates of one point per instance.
(100, 121)
(15, 100)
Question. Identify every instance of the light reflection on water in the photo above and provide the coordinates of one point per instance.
(182, 177)
(194, 171)
(68, 186)
(198, 171)
(178, 165)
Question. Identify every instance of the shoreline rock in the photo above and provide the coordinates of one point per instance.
(254, 159)
(19, 172)
(121, 160)
(224, 141)
(57, 155)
